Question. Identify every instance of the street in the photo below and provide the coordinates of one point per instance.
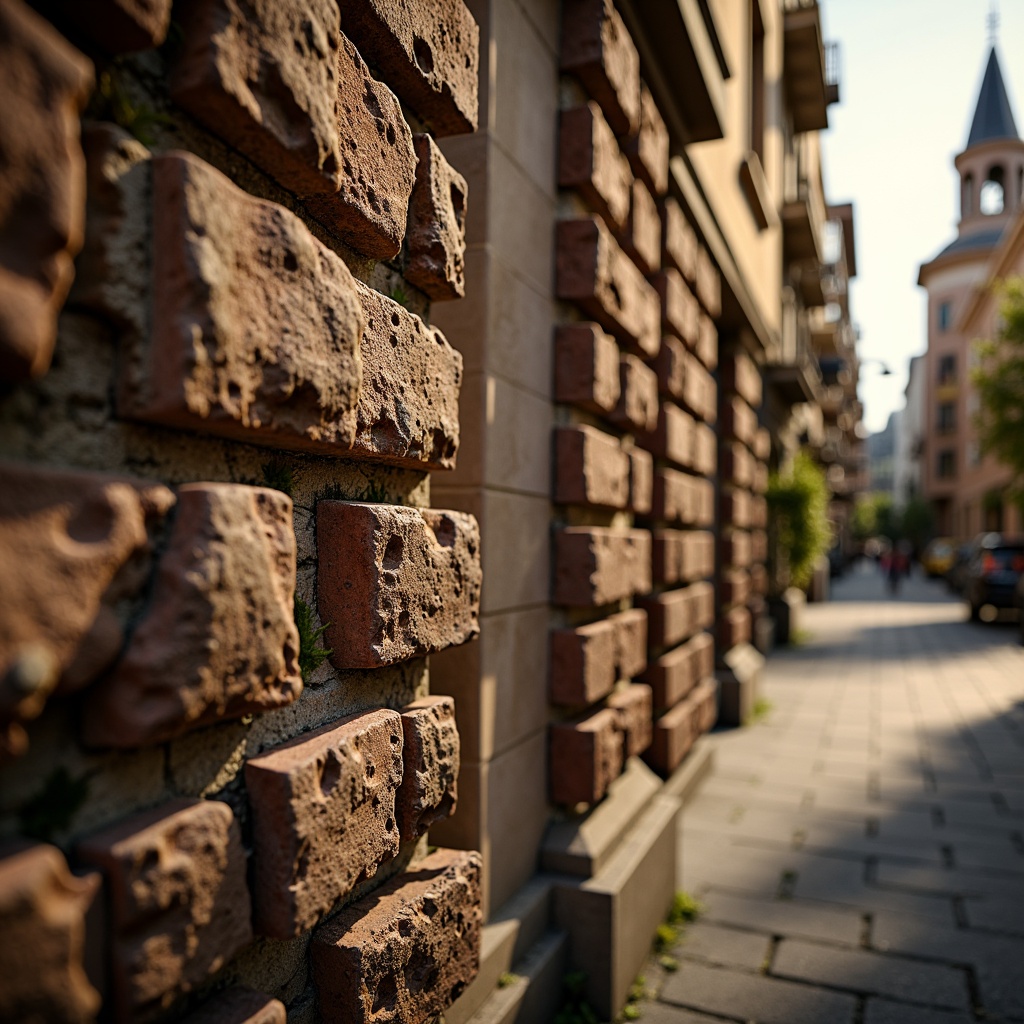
(859, 848)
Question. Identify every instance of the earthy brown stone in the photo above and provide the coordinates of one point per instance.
(705, 450)
(703, 597)
(734, 586)
(762, 446)
(758, 511)
(736, 464)
(323, 808)
(758, 545)
(597, 49)
(429, 790)
(739, 374)
(675, 497)
(42, 920)
(72, 544)
(118, 26)
(707, 341)
(583, 663)
(671, 615)
(586, 368)
(736, 549)
(428, 53)
(704, 492)
(395, 583)
(642, 237)
(437, 228)
(679, 241)
(738, 420)
(700, 555)
(675, 436)
(590, 161)
(703, 645)
(673, 675)
(630, 629)
(708, 284)
(408, 950)
(585, 757)
(672, 366)
(634, 706)
(218, 640)
(648, 149)
(590, 468)
(674, 735)
(596, 565)
(641, 481)
(256, 325)
(637, 408)
(239, 1006)
(734, 509)
(178, 900)
(45, 83)
(759, 579)
(668, 555)
(705, 700)
(733, 628)
(595, 273)
(700, 393)
(408, 413)
(679, 310)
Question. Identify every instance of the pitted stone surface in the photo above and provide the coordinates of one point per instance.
(679, 241)
(596, 565)
(590, 161)
(586, 368)
(429, 53)
(394, 582)
(45, 83)
(679, 309)
(586, 756)
(676, 497)
(642, 237)
(256, 325)
(633, 706)
(178, 902)
(676, 673)
(408, 412)
(42, 920)
(673, 615)
(648, 150)
(675, 438)
(583, 663)
(641, 481)
(119, 26)
(218, 640)
(595, 273)
(637, 408)
(674, 735)
(408, 950)
(437, 227)
(239, 1006)
(429, 790)
(323, 808)
(590, 468)
(630, 629)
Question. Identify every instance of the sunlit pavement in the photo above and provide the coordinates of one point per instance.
(859, 851)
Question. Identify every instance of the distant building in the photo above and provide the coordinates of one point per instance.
(906, 483)
(881, 448)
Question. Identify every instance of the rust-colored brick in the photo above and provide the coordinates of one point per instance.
(708, 284)
(705, 699)
(118, 26)
(736, 464)
(739, 420)
(734, 586)
(590, 468)
(762, 446)
(759, 545)
(641, 481)
(583, 663)
(739, 374)
(671, 615)
(734, 508)
(676, 496)
(590, 161)
(672, 367)
(408, 950)
(596, 565)
(648, 149)
(642, 237)
(679, 242)
(674, 439)
(705, 449)
(429, 790)
(679, 310)
(634, 706)
(736, 549)
(668, 550)
(758, 510)
(673, 675)
(674, 735)
(703, 646)
(178, 900)
(638, 396)
(759, 485)
(707, 341)
(395, 582)
(323, 809)
(586, 756)
(586, 368)
(630, 629)
(700, 393)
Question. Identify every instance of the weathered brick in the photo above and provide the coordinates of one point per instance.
(323, 809)
(42, 920)
(760, 482)
(585, 757)
(586, 368)
(674, 674)
(704, 556)
(590, 161)
(703, 645)
(583, 663)
(674, 438)
(704, 497)
(679, 310)
(736, 464)
(596, 565)
(642, 237)
(708, 284)
(630, 628)
(597, 49)
(668, 549)
(218, 640)
(256, 325)
(672, 366)
(437, 225)
(703, 597)
(429, 790)
(733, 628)
(117, 26)
(408, 950)
(593, 272)
(73, 545)
(239, 1006)
(759, 545)
(700, 392)
(45, 84)
(705, 449)
(705, 699)
(395, 582)
(178, 901)
(428, 53)
(408, 410)
(758, 511)
(759, 579)
(679, 241)
(641, 481)
(762, 445)
(637, 408)
(707, 341)
(734, 586)
(738, 420)
(734, 509)
(675, 497)
(739, 374)
(674, 735)
(736, 549)
(671, 615)
(634, 707)
(590, 468)
(648, 150)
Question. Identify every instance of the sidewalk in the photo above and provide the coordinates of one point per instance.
(859, 852)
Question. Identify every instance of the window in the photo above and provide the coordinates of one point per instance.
(990, 199)
(947, 464)
(967, 201)
(947, 417)
(947, 370)
(945, 316)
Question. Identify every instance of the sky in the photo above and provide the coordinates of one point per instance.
(910, 73)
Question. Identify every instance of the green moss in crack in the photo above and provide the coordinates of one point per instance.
(311, 654)
(278, 475)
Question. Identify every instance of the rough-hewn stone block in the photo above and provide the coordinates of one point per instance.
(674, 735)
(762, 445)
(708, 284)
(738, 420)
(118, 26)
(218, 639)
(734, 509)
(675, 497)
(758, 511)
(45, 84)
(590, 161)
(675, 436)
(596, 565)
(408, 411)
(699, 555)
(436, 244)
(736, 549)
(736, 464)
(700, 393)
(642, 236)
(759, 485)
(672, 366)
(703, 597)
(759, 545)
(590, 468)
(671, 615)
(704, 497)
(394, 582)
(673, 675)
(641, 481)
(323, 808)
(586, 368)
(679, 310)
(634, 706)
(429, 790)
(705, 450)
(42, 920)
(408, 950)
(707, 341)
(637, 408)
(630, 629)
(592, 271)
(705, 699)
(648, 150)
(734, 586)
(428, 53)
(583, 663)
(178, 900)
(585, 757)
(679, 241)
(597, 49)
(256, 325)
(733, 628)
(739, 374)
(668, 555)
(239, 1006)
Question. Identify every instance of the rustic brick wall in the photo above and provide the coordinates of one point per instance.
(222, 226)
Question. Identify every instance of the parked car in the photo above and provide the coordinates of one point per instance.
(938, 557)
(956, 575)
(993, 573)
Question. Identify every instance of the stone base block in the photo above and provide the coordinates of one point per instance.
(739, 684)
(684, 783)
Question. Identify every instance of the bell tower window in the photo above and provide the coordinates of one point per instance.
(991, 197)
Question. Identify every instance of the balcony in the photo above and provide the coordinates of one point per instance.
(810, 72)
(803, 223)
(793, 371)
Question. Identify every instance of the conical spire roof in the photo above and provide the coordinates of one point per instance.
(993, 116)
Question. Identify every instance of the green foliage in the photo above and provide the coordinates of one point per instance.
(113, 103)
(375, 492)
(917, 522)
(873, 516)
(51, 810)
(278, 475)
(575, 1009)
(761, 708)
(999, 379)
(311, 654)
(798, 520)
(665, 937)
(506, 979)
(400, 295)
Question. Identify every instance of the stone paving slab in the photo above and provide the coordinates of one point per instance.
(884, 1011)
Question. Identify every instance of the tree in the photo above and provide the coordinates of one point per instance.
(798, 522)
(999, 379)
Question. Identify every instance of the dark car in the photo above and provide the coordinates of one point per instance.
(992, 576)
(956, 576)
